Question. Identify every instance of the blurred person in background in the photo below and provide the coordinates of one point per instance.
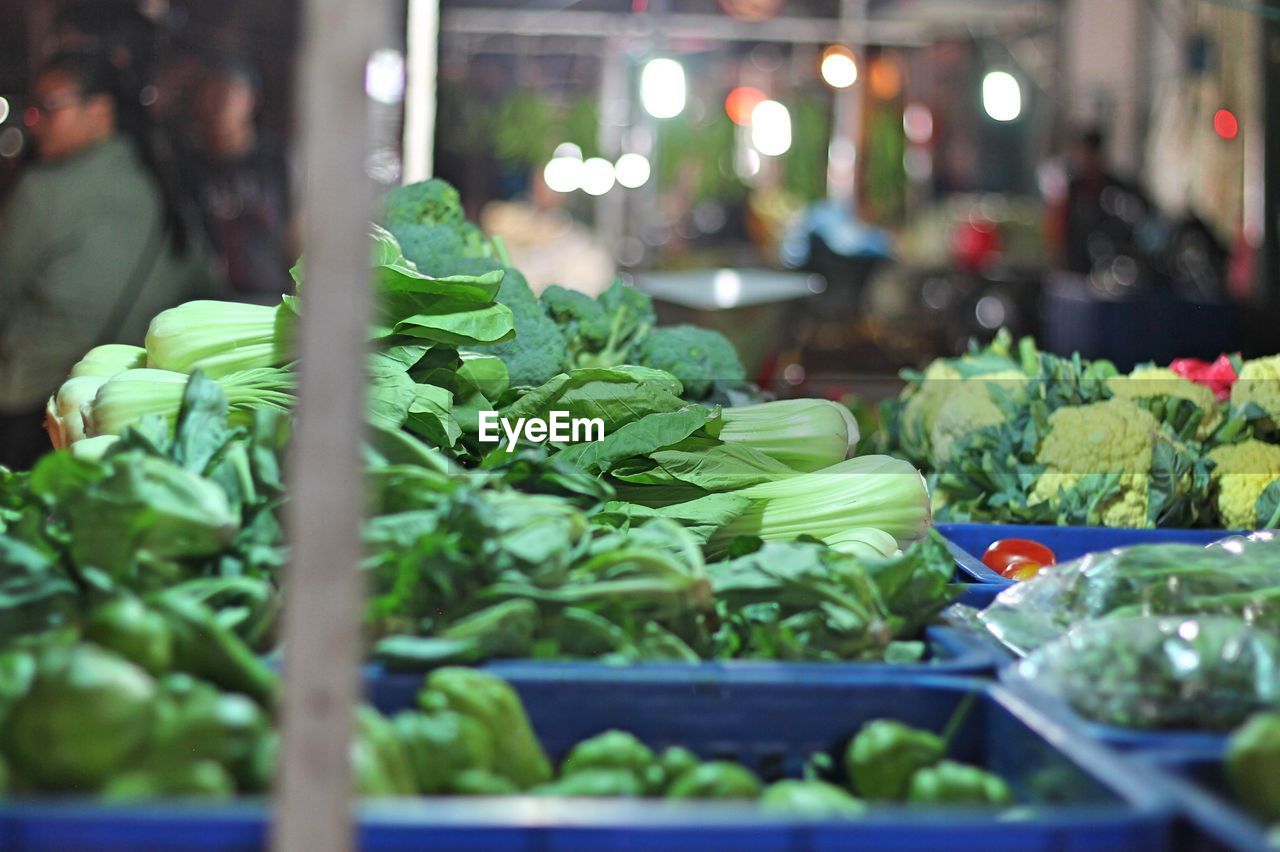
(93, 242)
(546, 243)
(1087, 208)
(238, 176)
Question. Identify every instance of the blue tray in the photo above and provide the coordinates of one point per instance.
(1194, 779)
(1092, 799)
(972, 540)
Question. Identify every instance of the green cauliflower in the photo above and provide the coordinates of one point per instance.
(698, 357)
(966, 406)
(1115, 436)
(1259, 386)
(1242, 472)
(1157, 382)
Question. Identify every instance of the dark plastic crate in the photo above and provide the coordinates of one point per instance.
(1194, 779)
(972, 540)
(1090, 798)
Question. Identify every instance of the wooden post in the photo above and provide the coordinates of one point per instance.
(421, 61)
(323, 600)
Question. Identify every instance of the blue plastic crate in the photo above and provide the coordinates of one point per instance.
(972, 540)
(1194, 779)
(1088, 797)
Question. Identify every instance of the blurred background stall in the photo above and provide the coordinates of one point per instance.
(1088, 172)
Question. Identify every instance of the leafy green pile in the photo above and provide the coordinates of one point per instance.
(564, 329)
(1206, 673)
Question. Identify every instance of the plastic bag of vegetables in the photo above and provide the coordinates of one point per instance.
(1241, 580)
(1176, 673)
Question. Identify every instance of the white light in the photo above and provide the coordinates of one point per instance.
(568, 149)
(662, 88)
(632, 170)
(4, 109)
(384, 76)
(839, 70)
(771, 128)
(563, 174)
(1001, 96)
(917, 123)
(597, 176)
(726, 288)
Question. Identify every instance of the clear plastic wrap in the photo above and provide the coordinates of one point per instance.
(1205, 674)
(1237, 577)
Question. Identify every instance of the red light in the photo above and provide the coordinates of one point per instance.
(30, 116)
(1225, 124)
(741, 101)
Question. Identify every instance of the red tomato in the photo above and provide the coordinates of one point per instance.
(1007, 550)
(1021, 568)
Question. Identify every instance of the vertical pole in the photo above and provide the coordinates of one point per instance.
(313, 803)
(846, 117)
(1269, 268)
(610, 207)
(420, 93)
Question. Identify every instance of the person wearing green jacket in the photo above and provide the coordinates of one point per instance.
(92, 244)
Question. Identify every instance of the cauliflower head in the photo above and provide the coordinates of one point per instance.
(1151, 382)
(1259, 383)
(1243, 471)
(922, 404)
(1115, 436)
(966, 406)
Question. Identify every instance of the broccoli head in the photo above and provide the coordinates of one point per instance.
(698, 357)
(440, 250)
(537, 352)
(428, 202)
(599, 332)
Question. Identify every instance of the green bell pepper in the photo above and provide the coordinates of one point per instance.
(950, 783)
(492, 702)
(1253, 765)
(203, 778)
(716, 779)
(481, 782)
(885, 754)
(673, 762)
(440, 745)
(87, 715)
(196, 721)
(125, 625)
(600, 782)
(610, 750)
(810, 800)
(375, 730)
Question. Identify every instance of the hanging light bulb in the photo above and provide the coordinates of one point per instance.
(662, 90)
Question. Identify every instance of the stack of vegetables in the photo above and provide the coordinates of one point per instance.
(457, 333)
(1014, 435)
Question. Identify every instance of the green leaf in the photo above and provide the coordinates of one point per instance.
(1269, 506)
(431, 415)
(617, 396)
(639, 438)
(458, 323)
(202, 423)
